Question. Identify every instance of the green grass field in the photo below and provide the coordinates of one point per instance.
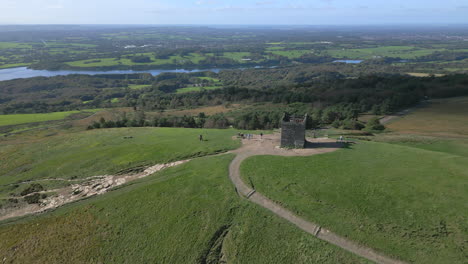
(292, 54)
(404, 201)
(214, 80)
(197, 89)
(194, 58)
(274, 48)
(237, 56)
(106, 62)
(186, 214)
(14, 45)
(138, 86)
(404, 52)
(104, 151)
(443, 117)
(13, 65)
(16, 119)
(455, 146)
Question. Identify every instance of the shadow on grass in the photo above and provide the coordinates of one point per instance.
(344, 144)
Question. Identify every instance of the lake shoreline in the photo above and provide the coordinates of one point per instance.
(24, 72)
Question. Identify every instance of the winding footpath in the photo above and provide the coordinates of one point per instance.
(267, 146)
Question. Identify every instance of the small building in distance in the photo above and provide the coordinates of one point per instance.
(293, 131)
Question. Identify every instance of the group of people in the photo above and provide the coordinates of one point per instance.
(248, 136)
(241, 135)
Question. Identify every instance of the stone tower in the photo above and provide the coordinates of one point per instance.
(293, 131)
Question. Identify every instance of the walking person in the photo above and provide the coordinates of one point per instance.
(201, 138)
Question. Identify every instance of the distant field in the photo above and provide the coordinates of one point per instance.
(407, 202)
(208, 110)
(14, 65)
(186, 214)
(14, 45)
(444, 117)
(217, 85)
(237, 56)
(197, 89)
(138, 86)
(419, 74)
(292, 54)
(275, 48)
(16, 119)
(210, 79)
(404, 52)
(194, 58)
(106, 62)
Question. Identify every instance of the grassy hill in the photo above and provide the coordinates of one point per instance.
(442, 117)
(106, 151)
(186, 214)
(16, 119)
(407, 202)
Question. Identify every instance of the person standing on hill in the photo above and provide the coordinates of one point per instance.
(201, 137)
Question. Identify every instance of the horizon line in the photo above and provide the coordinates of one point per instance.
(162, 24)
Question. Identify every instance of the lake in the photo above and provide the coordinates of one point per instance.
(349, 61)
(24, 72)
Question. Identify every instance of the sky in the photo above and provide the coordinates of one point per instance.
(235, 12)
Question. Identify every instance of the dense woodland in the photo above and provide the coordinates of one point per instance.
(329, 97)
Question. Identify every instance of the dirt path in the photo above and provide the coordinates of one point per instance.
(88, 187)
(267, 146)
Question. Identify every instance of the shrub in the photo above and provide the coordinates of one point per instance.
(337, 123)
(352, 124)
(374, 125)
(141, 59)
(13, 200)
(35, 187)
(33, 198)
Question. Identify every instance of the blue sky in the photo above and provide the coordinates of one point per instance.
(311, 12)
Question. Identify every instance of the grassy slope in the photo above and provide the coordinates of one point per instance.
(138, 86)
(445, 117)
(16, 119)
(404, 201)
(170, 217)
(98, 152)
(458, 146)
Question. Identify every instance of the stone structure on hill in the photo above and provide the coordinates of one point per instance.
(293, 131)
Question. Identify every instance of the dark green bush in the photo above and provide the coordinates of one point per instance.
(374, 125)
(35, 187)
(33, 198)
